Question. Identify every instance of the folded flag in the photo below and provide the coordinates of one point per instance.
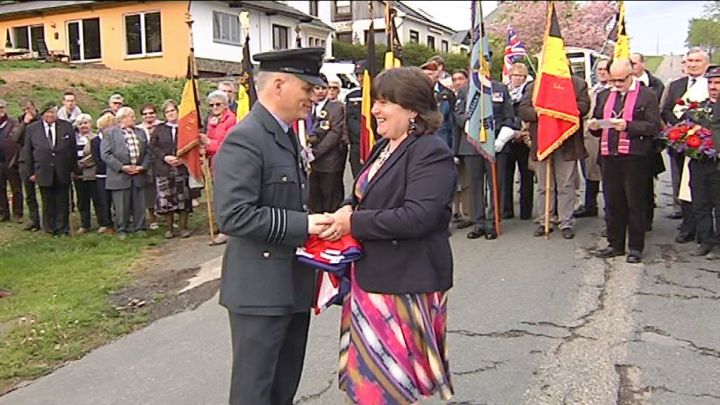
(333, 259)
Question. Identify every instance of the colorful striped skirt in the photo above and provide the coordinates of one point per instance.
(393, 347)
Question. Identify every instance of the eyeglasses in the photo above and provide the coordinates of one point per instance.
(215, 104)
(620, 81)
(149, 113)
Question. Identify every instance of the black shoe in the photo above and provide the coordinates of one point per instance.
(464, 223)
(583, 212)
(477, 233)
(525, 217)
(675, 215)
(491, 235)
(684, 237)
(634, 257)
(456, 218)
(568, 233)
(508, 216)
(31, 227)
(540, 231)
(701, 250)
(608, 252)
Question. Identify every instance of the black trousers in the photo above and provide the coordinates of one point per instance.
(12, 177)
(354, 158)
(56, 208)
(87, 192)
(326, 191)
(705, 189)
(104, 197)
(30, 197)
(268, 357)
(625, 183)
(518, 155)
(479, 173)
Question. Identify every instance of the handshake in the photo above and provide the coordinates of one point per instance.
(329, 226)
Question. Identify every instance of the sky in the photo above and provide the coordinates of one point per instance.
(655, 27)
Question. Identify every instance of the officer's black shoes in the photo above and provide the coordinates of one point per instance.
(684, 237)
(491, 235)
(634, 257)
(568, 233)
(584, 212)
(540, 231)
(701, 250)
(477, 233)
(608, 252)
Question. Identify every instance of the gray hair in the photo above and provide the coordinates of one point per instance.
(84, 117)
(218, 95)
(227, 83)
(697, 49)
(123, 112)
(168, 103)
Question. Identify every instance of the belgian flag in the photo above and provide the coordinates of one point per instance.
(622, 42)
(554, 93)
(188, 137)
(246, 91)
(394, 50)
(367, 122)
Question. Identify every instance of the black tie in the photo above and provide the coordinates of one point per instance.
(50, 137)
(692, 81)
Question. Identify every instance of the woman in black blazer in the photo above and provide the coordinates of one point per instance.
(400, 212)
(171, 175)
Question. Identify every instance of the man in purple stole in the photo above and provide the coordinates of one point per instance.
(627, 120)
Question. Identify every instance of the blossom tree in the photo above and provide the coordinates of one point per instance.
(584, 25)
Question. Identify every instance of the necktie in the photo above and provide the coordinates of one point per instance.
(51, 140)
(693, 80)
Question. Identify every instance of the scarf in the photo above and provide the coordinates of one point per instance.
(517, 93)
(627, 115)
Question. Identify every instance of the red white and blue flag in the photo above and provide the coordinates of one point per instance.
(514, 51)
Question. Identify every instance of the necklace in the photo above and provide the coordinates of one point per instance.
(382, 158)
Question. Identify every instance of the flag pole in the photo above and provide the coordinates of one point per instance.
(548, 173)
(207, 176)
(496, 198)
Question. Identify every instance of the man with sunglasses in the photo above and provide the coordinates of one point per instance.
(333, 90)
(627, 120)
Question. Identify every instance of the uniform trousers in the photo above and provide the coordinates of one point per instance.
(479, 171)
(268, 356)
(354, 157)
(625, 184)
(705, 189)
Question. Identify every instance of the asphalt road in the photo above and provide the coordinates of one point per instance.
(531, 321)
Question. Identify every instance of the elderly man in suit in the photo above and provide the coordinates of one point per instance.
(51, 154)
(696, 64)
(262, 205)
(329, 147)
(633, 111)
(29, 115)
(127, 155)
(565, 161)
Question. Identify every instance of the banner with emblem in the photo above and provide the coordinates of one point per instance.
(367, 127)
(480, 124)
(246, 89)
(188, 138)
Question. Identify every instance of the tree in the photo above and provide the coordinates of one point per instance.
(704, 33)
(585, 26)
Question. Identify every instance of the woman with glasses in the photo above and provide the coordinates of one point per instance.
(85, 179)
(171, 175)
(219, 124)
(148, 124)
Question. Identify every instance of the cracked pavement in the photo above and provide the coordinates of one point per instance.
(531, 321)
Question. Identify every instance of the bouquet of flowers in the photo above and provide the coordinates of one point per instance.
(699, 110)
(692, 140)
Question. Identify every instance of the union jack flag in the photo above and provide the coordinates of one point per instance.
(513, 52)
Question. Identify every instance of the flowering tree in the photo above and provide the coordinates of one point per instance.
(585, 25)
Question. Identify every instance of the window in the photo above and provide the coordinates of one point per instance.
(226, 28)
(143, 34)
(313, 8)
(345, 37)
(27, 37)
(84, 39)
(280, 37)
(380, 37)
(341, 11)
(431, 42)
(414, 37)
(444, 46)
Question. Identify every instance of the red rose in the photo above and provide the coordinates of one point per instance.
(708, 143)
(694, 105)
(674, 135)
(680, 101)
(694, 141)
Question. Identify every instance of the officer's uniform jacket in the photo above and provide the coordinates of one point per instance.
(261, 199)
(353, 112)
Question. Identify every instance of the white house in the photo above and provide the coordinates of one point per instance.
(351, 21)
(274, 25)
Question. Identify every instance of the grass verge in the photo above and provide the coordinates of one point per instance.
(59, 309)
(652, 62)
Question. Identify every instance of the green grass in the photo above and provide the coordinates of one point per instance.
(652, 62)
(60, 308)
(30, 64)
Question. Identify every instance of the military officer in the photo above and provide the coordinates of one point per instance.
(261, 197)
(353, 112)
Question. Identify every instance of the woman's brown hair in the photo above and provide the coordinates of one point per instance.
(411, 89)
